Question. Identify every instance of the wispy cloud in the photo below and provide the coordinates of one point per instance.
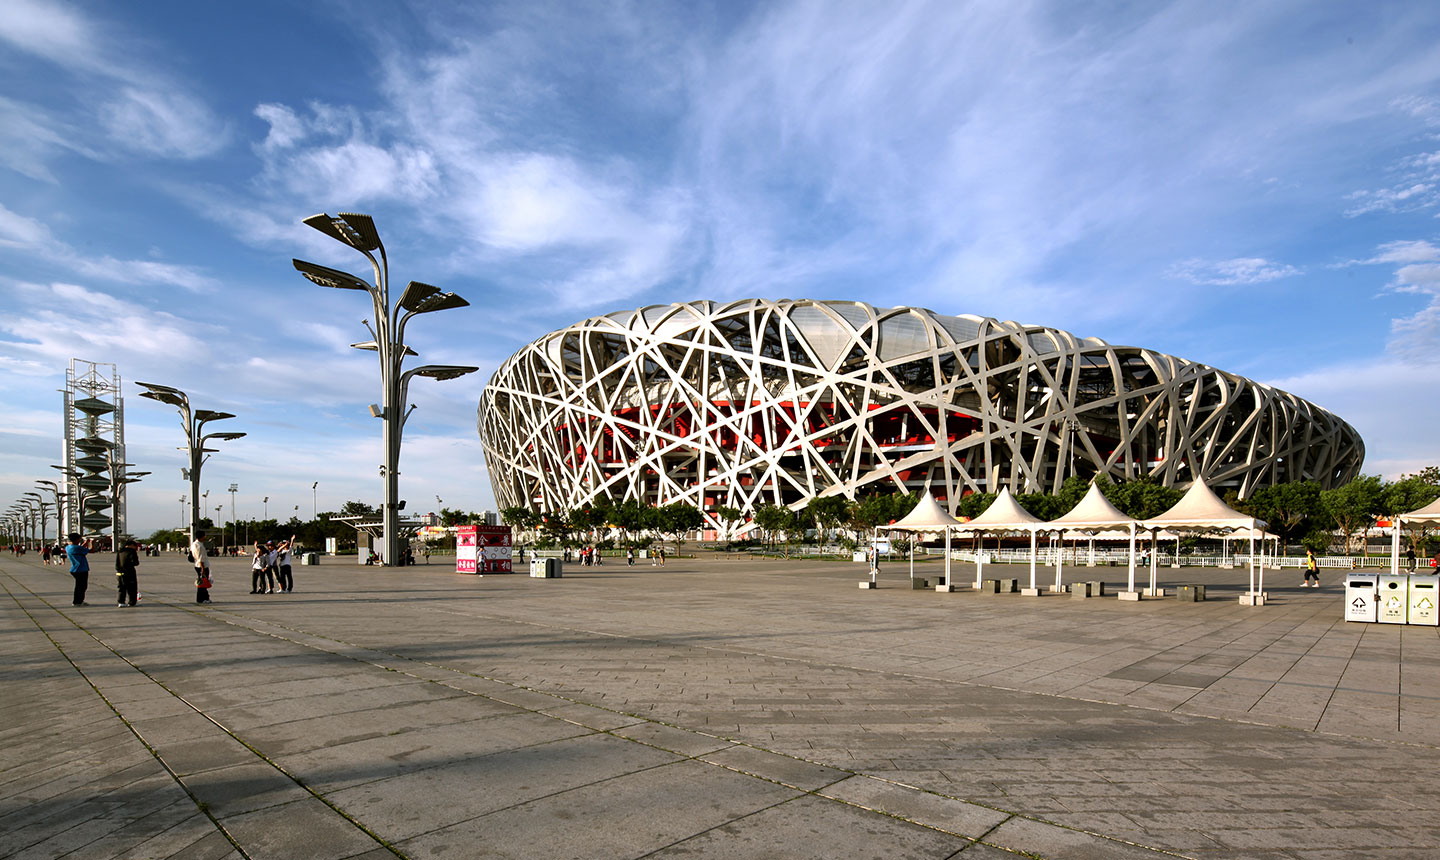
(141, 107)
(34, 238)
(1235, 272)
(1414, 339)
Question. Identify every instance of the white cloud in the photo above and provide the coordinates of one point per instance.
(113, 84)
(1238, 271)
(1415, 339)
(36, 239)
(168, 124)
(286, 129)
(1399, 437)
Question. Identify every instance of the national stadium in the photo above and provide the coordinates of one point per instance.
(763, 401)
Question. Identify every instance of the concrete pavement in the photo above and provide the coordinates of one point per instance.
(727, 708)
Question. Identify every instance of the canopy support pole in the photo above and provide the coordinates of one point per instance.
(1132, 556)
(1395, 546)
(979, 558)
(1059, 558)
(1154, 560)
(948, 580)
(1252, 562)
(1033, 550)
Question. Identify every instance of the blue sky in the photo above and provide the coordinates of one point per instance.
(1250, 185)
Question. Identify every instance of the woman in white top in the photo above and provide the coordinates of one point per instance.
(201, 560)
(282, 557)
(259, 561)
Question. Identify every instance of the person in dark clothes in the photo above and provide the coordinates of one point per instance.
(201, 559)
(127, 558)
(77, 551)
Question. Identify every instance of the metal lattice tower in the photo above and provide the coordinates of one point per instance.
(94, 455)
(759, 401)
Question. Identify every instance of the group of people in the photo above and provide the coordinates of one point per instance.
(127, 559)
(270, 567)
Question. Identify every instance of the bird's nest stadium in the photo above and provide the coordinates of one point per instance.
(758, 401)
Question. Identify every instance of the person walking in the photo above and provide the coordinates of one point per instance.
(201, 559)
(630, 557)
(1312, 570)
(1410, 559)
(127, 558)
(282, 561)
(77, 551)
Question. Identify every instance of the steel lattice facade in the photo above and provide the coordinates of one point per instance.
(760, 401)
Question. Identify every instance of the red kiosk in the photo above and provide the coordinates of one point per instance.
(482, 549)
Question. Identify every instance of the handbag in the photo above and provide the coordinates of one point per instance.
(203, 581)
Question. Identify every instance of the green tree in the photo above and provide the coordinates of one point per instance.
(1355, 507)
(1141, 498)
(679, 519)
(358, 509)
(1288, 508)
(828, 513)
(776, 521)
(975, 504)
(728, 517)
(1411, 493)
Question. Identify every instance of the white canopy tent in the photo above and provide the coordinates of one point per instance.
(1428, 515)
(1200, 511)
(927, 517)
(1004, 516)
(1094, 516)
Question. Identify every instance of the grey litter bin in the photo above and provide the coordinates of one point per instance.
(989, 586)
(1097, 588)
(1009, 586)
(310, 558)
(1190, 593)
(1080, 590)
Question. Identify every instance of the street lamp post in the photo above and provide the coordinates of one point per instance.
(358, 231)
(54, 489)
(195, 438)
(314, 503)
(43, 506)
(234, 488)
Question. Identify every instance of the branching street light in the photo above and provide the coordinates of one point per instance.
(54, 489)
(195, 438)
(358, 231)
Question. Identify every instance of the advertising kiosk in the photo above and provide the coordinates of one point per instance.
(482, 549)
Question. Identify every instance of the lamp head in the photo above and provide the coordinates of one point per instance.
(440, 302)
(352, 228)
(167, 397)
(415, 294)
(203, 415)
(328, 277)
(442, 371)
(224, 437)
(372, 346)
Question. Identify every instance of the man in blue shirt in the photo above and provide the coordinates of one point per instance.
(79, 567)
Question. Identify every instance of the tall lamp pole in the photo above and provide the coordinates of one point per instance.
(193, 423)
(358, 232)
(314, 503)
(54, 489)
(44, 507)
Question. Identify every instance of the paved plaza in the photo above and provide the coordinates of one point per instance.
(715, 707)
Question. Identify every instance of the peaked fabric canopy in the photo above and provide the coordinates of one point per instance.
(1004, 514)
(927, 516)
(1428, 514)
(1095, 513)
(1201, 510)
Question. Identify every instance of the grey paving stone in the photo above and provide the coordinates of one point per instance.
(305, 828)
(931, 810)
(660, 806)
(468, 787)
(809, 827)
(680, 741)
(786, 770)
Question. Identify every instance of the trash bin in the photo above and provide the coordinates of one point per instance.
(1009, 586)
(1394, 595)
(1080, 590)
(1097, 588)
(1422, 607)
(545, 568)
(310, 558)
(989, 586)
(1362, 597)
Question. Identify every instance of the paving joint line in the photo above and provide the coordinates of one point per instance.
(298, 631)
(258, 754)
(200, 805)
